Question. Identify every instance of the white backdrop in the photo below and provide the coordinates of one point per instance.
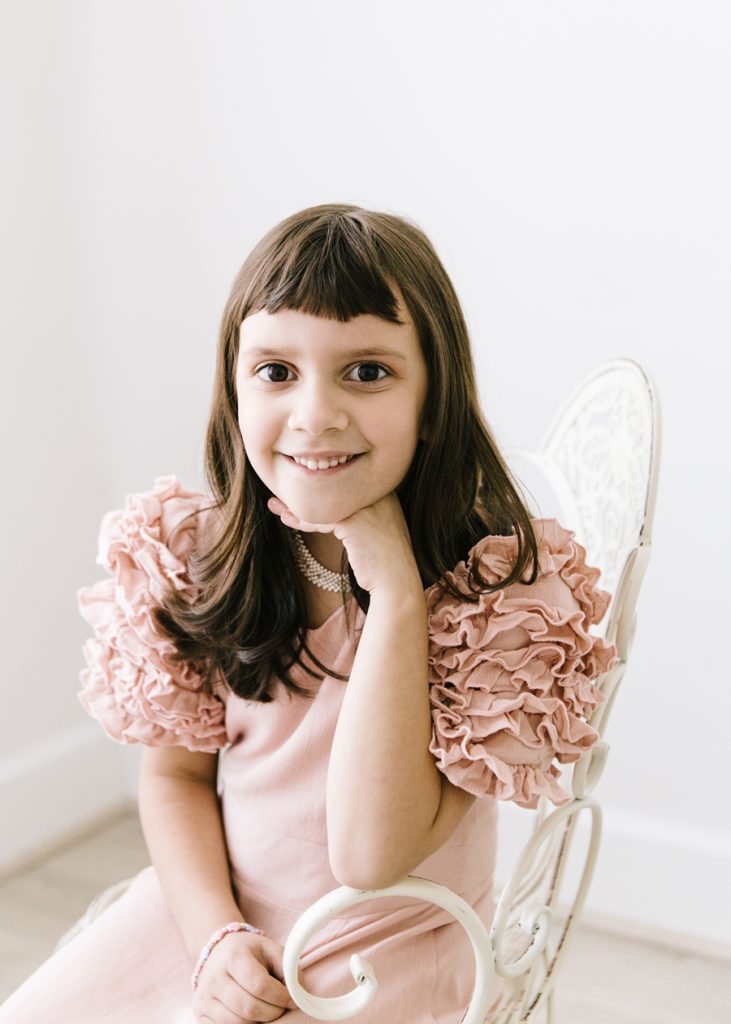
(569, 160)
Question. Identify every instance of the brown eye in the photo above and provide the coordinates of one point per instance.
(278, 367)
(370, 367)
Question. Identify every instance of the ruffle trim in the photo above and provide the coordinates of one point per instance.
(130, 685)
(512, 676)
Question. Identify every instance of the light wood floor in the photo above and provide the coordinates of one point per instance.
(607, 978)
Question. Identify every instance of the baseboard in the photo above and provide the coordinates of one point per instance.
(80, 779)
(660, 881)
(661, 938)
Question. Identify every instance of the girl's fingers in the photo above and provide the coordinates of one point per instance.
(301, 524)
(290, 519)
(240, 1005)
(222, 1014)
(258, 993)
(216, 1013)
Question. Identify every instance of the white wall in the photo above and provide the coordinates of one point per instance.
(569, 160)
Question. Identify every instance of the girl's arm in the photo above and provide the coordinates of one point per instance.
(384, 789)
(181, 821)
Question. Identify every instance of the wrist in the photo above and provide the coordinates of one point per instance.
(220, 934)
(398, 609)
(207, 924)
(405, 590)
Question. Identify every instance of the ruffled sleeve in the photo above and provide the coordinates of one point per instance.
(511, 677)
(130, 685)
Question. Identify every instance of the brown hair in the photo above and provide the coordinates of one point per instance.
(337, 261)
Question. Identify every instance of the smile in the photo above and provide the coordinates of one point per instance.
(313, 469)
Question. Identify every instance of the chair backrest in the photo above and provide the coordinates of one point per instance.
(600, 458)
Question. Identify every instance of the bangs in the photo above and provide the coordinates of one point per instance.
(330, 268)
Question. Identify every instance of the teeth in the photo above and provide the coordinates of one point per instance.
(322, 463)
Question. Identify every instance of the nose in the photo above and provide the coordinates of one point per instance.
(317, 408)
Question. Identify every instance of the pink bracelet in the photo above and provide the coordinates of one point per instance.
(235, 926)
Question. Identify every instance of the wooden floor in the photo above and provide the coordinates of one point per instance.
(607, 979)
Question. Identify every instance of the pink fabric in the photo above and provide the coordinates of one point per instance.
(130, 686)
(511, 675)
(509, 678)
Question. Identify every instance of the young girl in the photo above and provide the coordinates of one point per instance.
(337, 661)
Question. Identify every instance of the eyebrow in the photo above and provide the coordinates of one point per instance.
(360, 353)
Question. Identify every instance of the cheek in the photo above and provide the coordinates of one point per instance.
(405, 427)
(253, 424)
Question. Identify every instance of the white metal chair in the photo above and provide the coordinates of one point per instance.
(600, 457)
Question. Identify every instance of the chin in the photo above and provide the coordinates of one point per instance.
(331, 511)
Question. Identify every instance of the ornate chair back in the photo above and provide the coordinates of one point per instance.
(600, 458)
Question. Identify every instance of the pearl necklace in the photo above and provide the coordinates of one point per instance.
(316, 573)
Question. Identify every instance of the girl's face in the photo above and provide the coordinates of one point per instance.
(310, 386)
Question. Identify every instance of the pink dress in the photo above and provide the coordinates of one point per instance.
(510, 682)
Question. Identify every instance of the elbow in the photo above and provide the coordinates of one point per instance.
(367, 874)
(365, 881)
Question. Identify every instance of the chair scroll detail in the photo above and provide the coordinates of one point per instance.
(342, 1007)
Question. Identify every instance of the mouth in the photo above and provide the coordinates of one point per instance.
(325, 472)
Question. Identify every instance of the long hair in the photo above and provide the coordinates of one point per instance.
(338, 261)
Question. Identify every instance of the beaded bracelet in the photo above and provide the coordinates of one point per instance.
(235, 926)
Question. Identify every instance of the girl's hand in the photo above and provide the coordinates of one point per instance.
(242, 982)
(376, 538)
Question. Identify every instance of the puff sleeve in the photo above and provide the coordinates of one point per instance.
(511, 677)
(130, 685)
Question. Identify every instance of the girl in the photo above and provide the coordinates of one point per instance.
(337, 661)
